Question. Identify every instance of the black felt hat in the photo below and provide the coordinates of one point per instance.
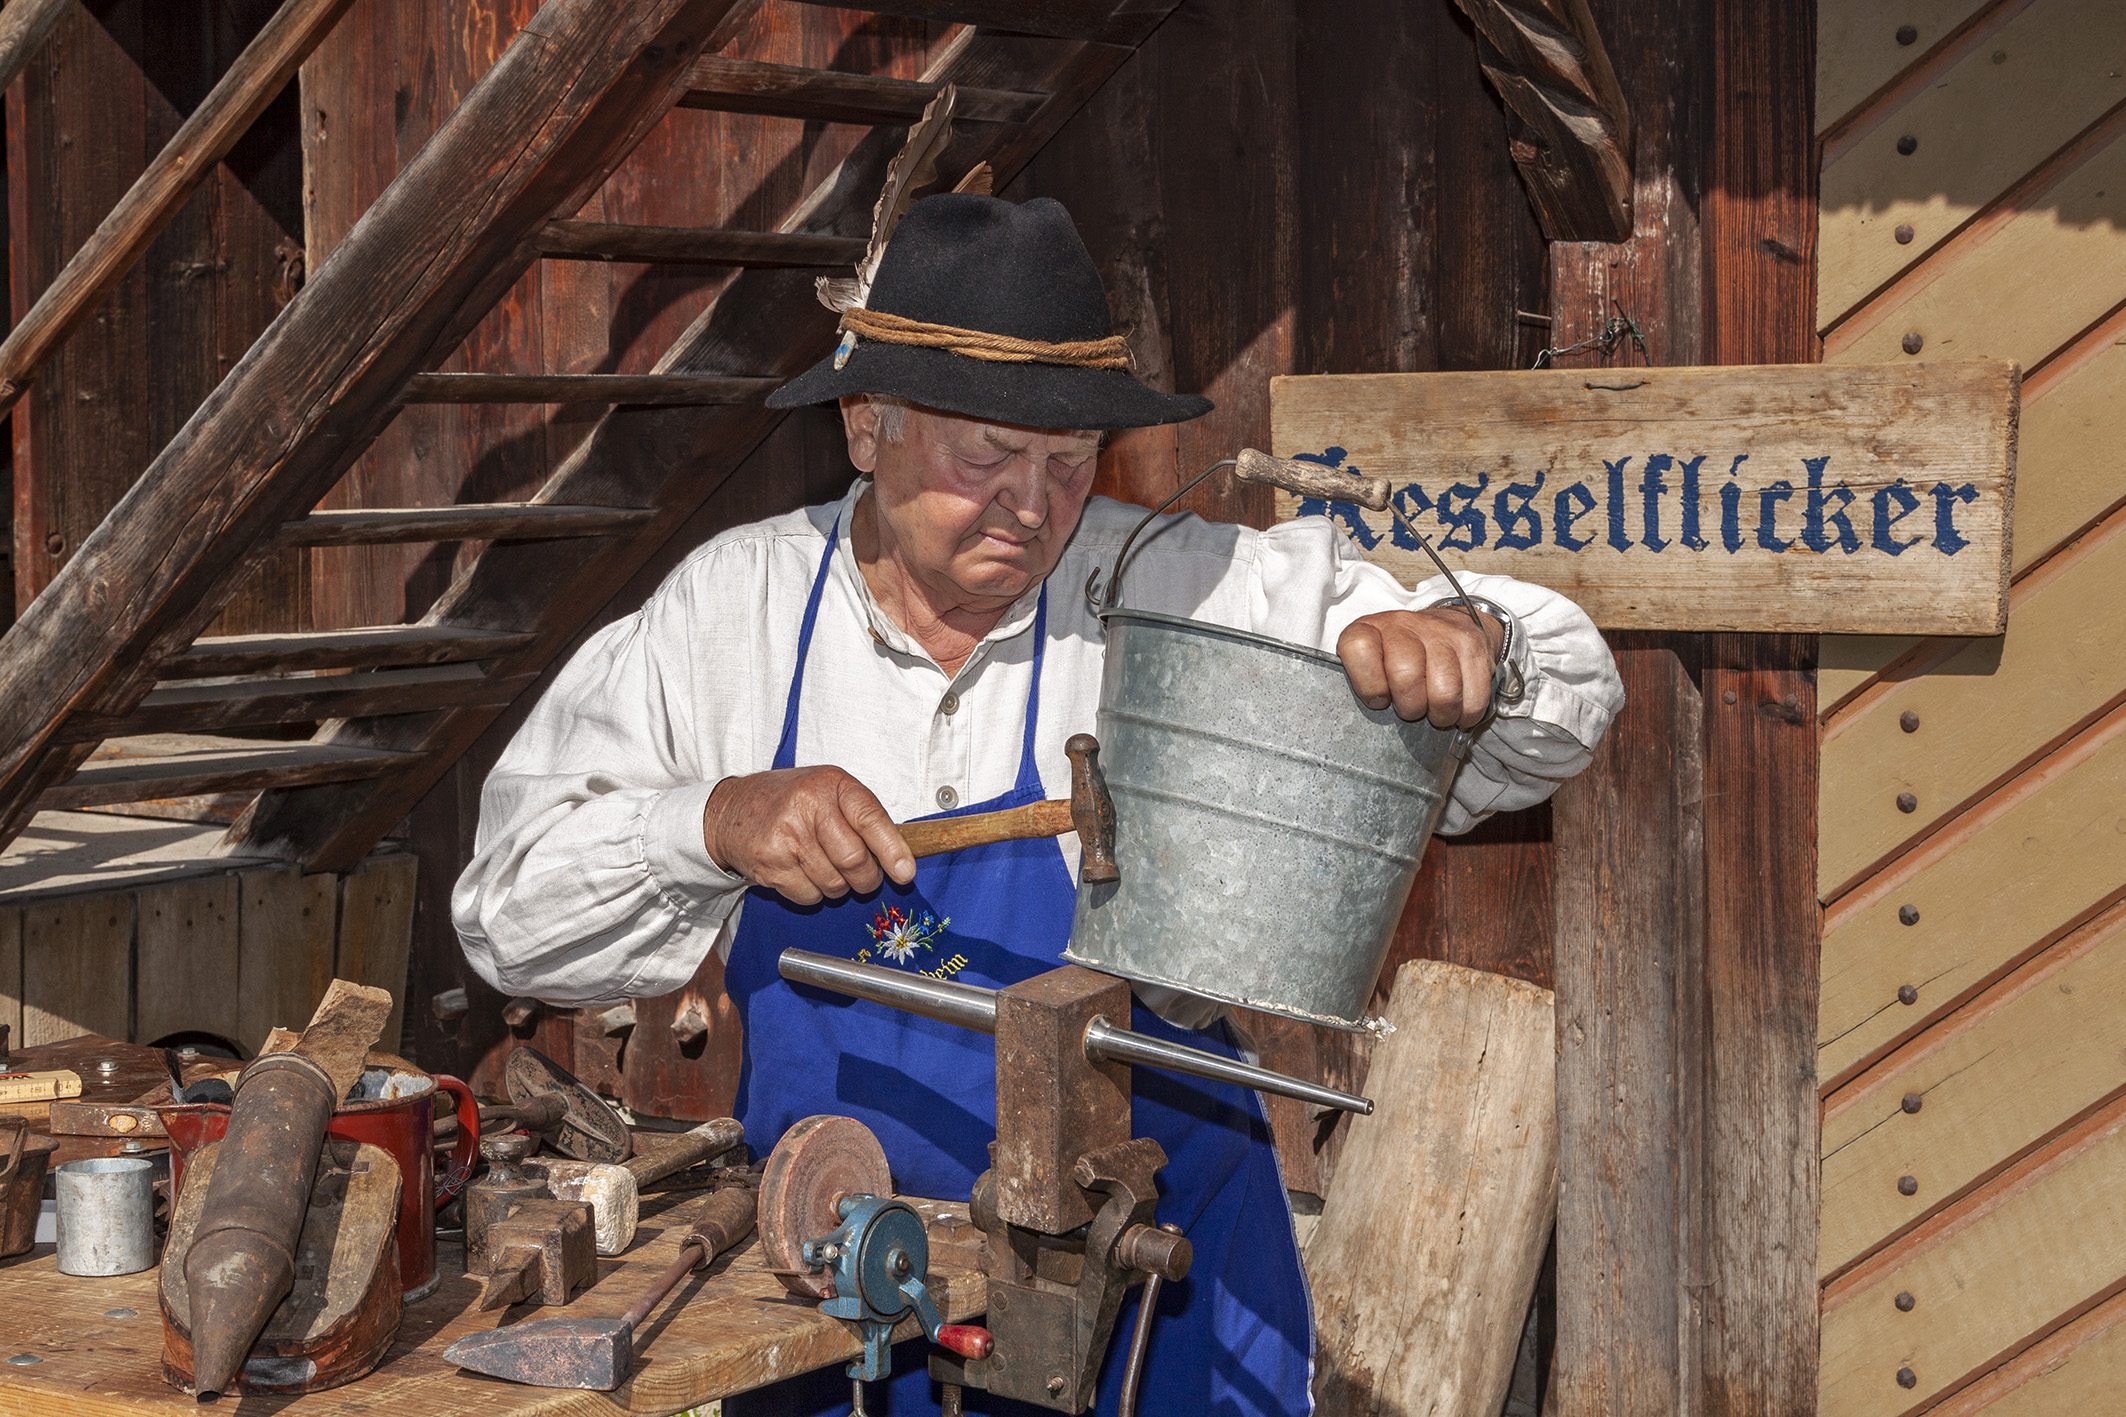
(974, 263)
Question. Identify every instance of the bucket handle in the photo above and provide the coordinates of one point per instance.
(21, 1127)
(1313, 480)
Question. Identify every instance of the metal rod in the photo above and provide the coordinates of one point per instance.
(969, 1006)
(1140, 1339)
(965, 1005)
(1106, 1043)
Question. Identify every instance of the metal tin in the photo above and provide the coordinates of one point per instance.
(1268, 825)
(21, 1183)
(106, 1215)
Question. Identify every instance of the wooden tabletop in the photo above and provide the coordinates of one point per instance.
(729, 1330)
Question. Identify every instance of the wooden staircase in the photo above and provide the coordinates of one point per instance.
(108, 692)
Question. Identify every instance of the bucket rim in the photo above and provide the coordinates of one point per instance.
(1362, 1024)
(1183, 622)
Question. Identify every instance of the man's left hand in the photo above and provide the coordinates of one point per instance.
(1429, 664)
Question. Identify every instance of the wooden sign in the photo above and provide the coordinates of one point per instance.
(1869, 499)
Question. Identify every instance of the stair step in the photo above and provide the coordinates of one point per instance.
(694, 245)
(787, 91)
(370, 648)
(210, 706)
(179, 765)
(1055, 19)
(510, 521)
(690, 389)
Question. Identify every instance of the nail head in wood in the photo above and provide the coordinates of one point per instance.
(1908, 721)
(1907, 145)
(1727, 697)
(450, 1005)
(520, 1011)
(1905, 1301)
(1913, 342)
(1908, 915)
(1908, 1185)
(1913, 1101)
(1904, 233)
(1907, 1378)
(1907, 34)
(1906, 802)
(1906, 994)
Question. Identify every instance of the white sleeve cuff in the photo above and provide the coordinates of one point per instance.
(678, 858)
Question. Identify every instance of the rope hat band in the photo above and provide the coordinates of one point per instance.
(1111, 352)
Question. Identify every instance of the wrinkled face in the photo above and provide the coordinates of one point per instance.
(976, 511)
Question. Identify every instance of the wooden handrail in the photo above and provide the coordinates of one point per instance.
(24, 27)
(226, 114)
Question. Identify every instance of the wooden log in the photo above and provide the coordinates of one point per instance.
(1058, 19)
(540, 131)
(1571, 131)
(369, 648)
(697, 246)
(829, 96)
(667, 389)
(1429, 1245)
(514, 521)
(259, 73)
(24, 27)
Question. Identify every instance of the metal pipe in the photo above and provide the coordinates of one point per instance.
(1105, 1043)
(965, 1005)
(972, 1007)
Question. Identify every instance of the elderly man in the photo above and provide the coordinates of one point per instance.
(723, 768)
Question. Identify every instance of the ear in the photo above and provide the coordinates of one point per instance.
(860, 426)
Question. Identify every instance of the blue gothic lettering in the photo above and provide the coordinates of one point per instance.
(1885, 520)
(1650, 489)
(1562, 517)
(1946, 538)
(1617, 538)
(1511, 508)
(1468, 524)
(1767, 514)
(1813, 518)
(1690, 535)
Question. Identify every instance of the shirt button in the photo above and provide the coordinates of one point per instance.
(947, 798)
(950, 704)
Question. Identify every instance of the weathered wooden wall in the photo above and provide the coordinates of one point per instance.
(101, 97)
(1973, 851)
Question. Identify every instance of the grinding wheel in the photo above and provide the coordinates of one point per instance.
(816, 1163)
(589, 1129)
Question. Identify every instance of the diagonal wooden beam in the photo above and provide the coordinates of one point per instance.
(24, 27)
(766, 322)
(228, 111)
(1568, 124)
(568, 99)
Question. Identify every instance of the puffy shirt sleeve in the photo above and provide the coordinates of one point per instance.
(590, 880)
(1309, 583)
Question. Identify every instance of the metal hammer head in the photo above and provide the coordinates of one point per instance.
(1092, 811)
(597, 1354)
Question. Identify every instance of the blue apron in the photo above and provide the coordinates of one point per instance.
(1237, 1336)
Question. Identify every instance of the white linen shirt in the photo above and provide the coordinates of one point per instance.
(590, 881)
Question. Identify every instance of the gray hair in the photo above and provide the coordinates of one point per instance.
(892, 424)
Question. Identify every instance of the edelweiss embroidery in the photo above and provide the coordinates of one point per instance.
(899, 935)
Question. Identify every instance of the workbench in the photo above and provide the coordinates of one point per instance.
(728, 1330)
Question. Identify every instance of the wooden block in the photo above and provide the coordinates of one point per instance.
(1979, 127)
(1857, 48)
(2046, 1238)
(2012, 876)
(2001, 291)
(376, 931)
(187, 959)
(77, 967)
(1990, 708)
(1770, 498)
(2021, 1062)
(1455, 1174)
(285, 926)
(11, 973)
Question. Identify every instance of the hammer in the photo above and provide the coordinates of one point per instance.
(614, 1190)
(1090, 813)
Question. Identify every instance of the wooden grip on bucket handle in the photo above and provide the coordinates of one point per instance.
(1311, 480)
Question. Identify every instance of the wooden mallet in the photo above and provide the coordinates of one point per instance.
(1089, 812)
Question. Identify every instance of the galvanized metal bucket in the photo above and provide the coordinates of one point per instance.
(1268, 825)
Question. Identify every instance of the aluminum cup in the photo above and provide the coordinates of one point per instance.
(106, 1215)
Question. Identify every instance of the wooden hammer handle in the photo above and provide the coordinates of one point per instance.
(686, 1149)
(722, 1220)
(1050, 818)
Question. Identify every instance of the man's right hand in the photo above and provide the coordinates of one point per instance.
(804, 833)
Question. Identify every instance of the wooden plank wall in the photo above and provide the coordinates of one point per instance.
(1971, 860)
(222, 954)
(100, 98)
(413, 60)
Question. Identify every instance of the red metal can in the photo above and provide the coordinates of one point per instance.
(402, 1126)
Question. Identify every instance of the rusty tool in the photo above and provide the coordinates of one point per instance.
(241, 1261)
(540, 1250)
(615, 1192)
(489, 1199)
(598, 1353)
(551, 1103)
(1089, 812)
